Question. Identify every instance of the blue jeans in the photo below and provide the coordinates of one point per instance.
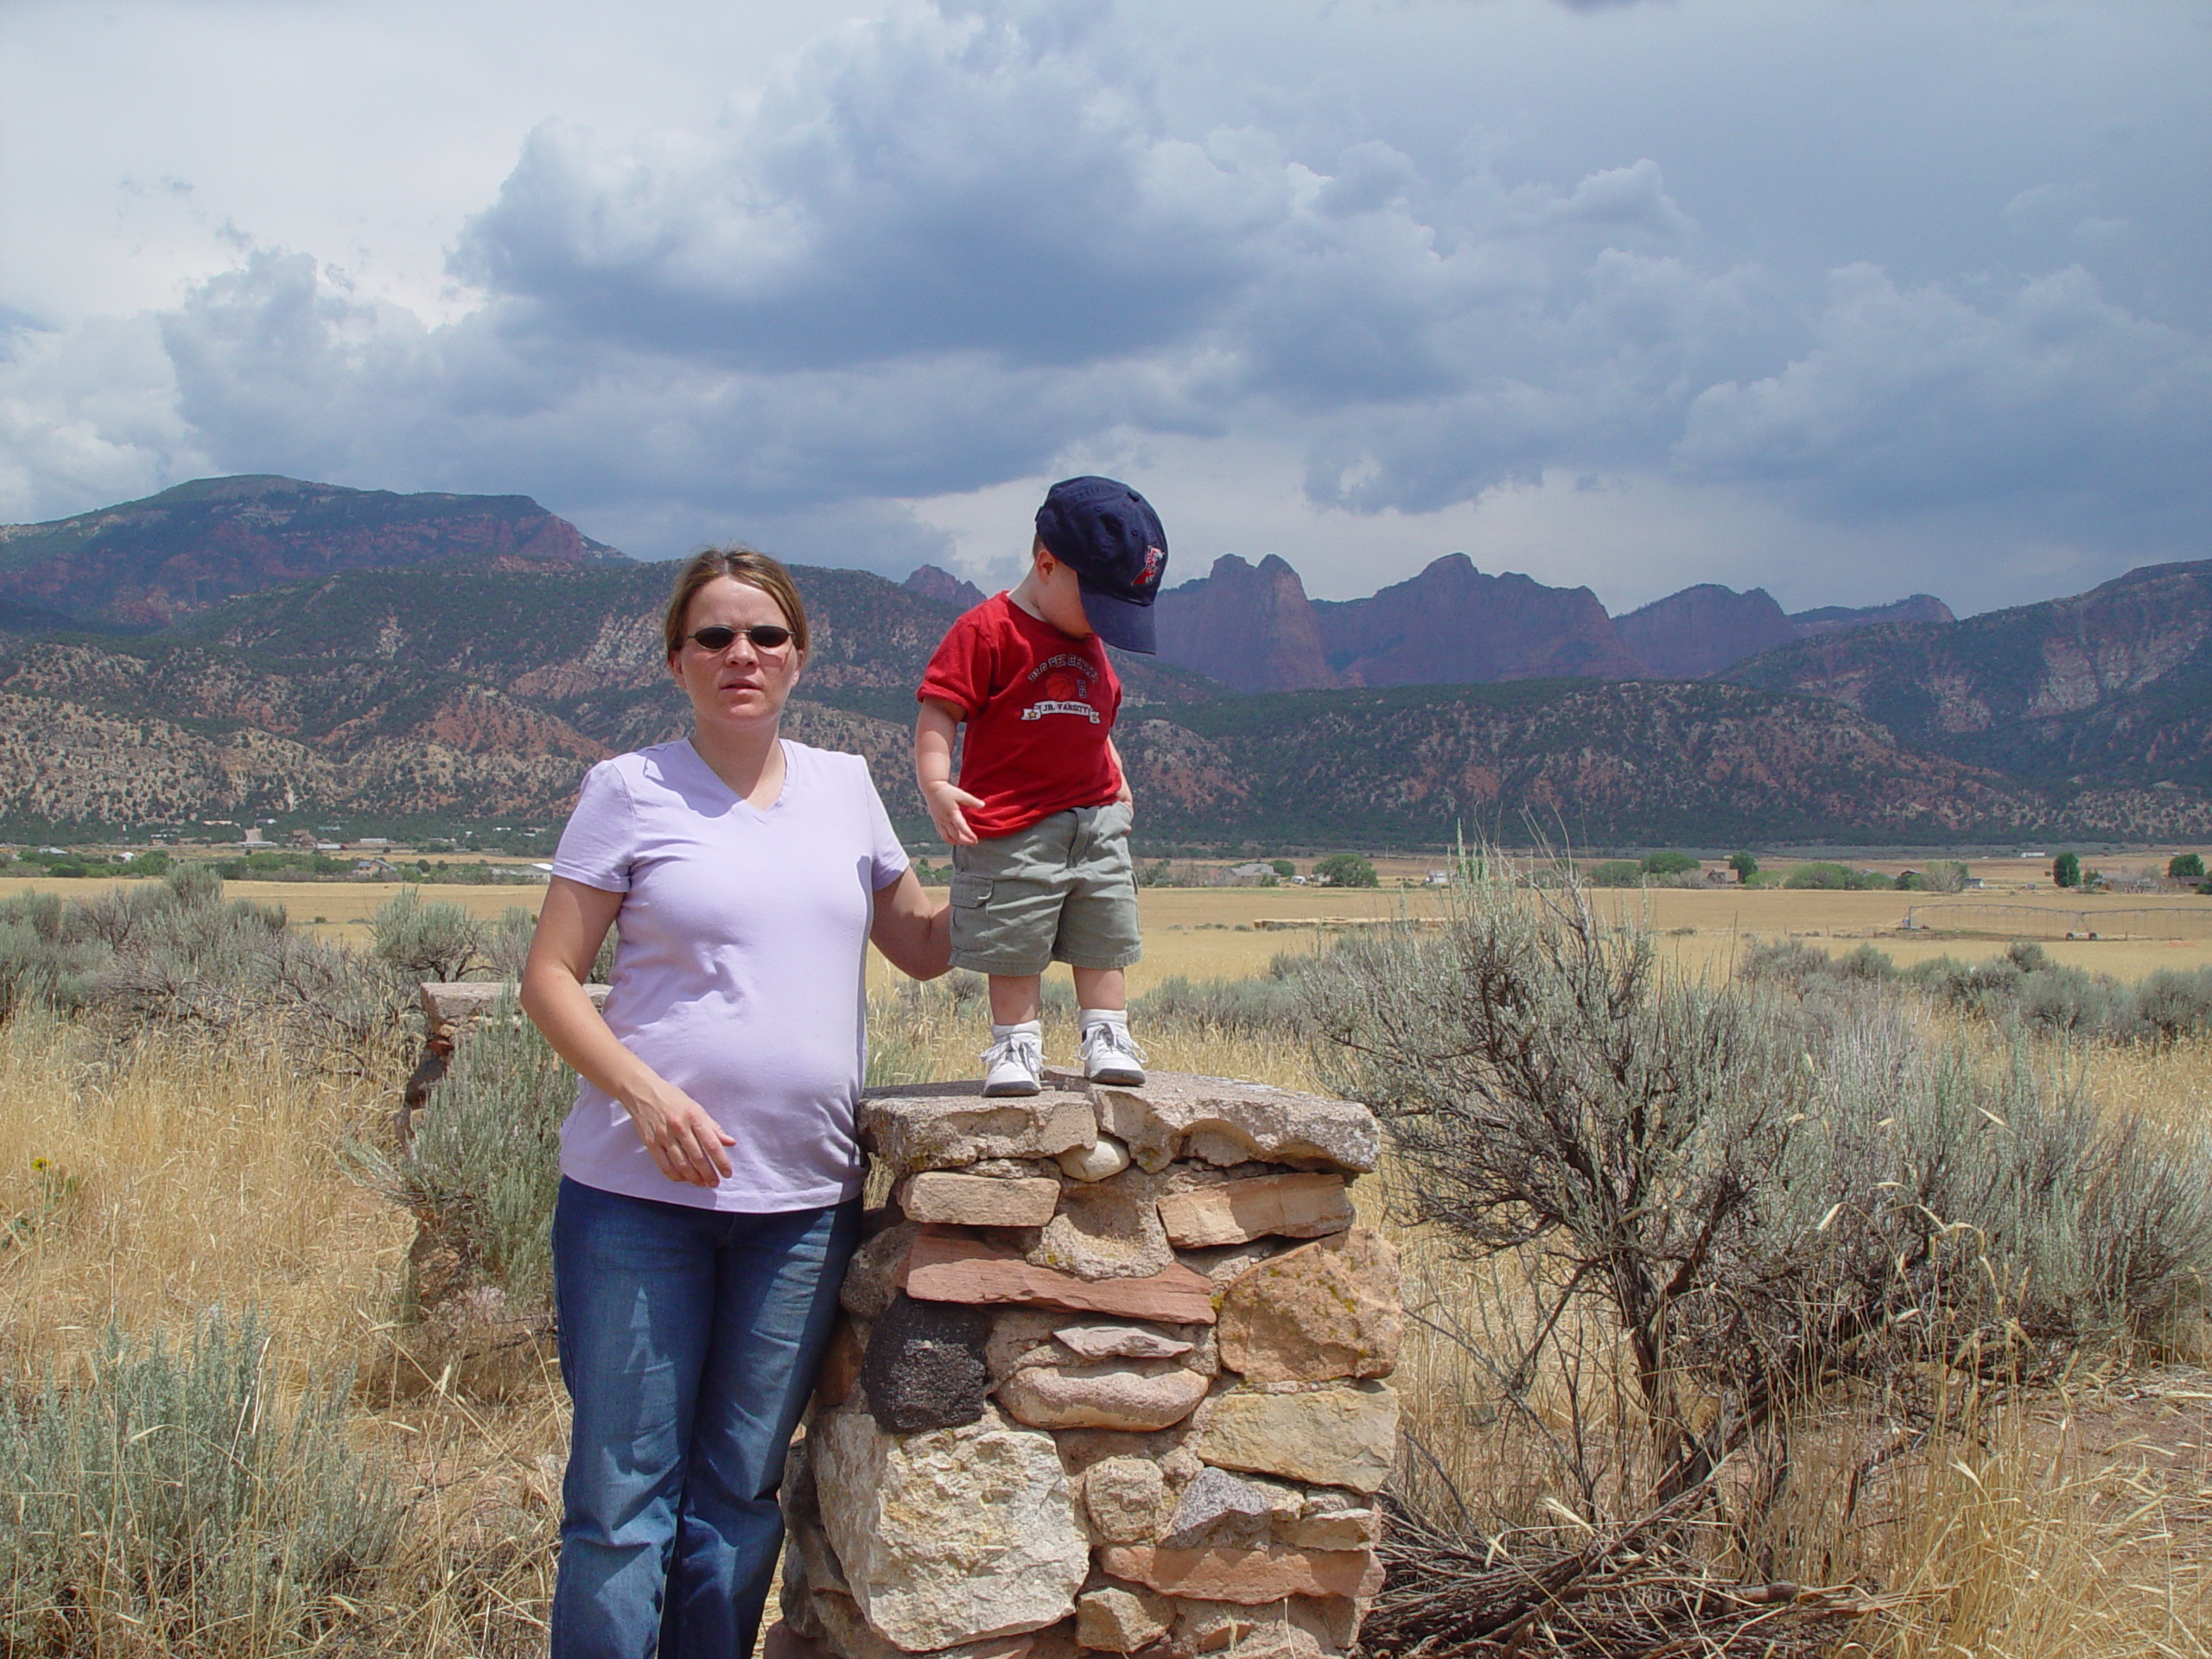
(688, 1341)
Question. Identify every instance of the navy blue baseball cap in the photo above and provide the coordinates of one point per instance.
(1108, 535)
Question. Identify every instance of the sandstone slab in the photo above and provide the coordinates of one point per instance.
(1344, 1436)
(1249, 1577)
(1022, 1337)
(957, 1268)
(939, 1195)
(923, 1367)
(848, 1635)
(1119, 1342)
(1323, 1311)
(1124, 1499)
(1125, 1395)
(948, 1126)
(1333, 1529)
(1303, 1205)
(458, 1001)
(1107, 1230)
(1229, 1122)
(1118, 1620)
(951, 1535)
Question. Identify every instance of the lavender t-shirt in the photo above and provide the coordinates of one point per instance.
(741, 948)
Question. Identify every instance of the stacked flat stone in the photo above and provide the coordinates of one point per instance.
(1108, 1380)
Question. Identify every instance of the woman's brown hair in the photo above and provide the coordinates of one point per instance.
(738, 563)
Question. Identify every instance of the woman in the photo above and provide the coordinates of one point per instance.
(710, 1177)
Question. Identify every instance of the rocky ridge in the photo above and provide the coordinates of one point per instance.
(2109, 687)
(143, 564)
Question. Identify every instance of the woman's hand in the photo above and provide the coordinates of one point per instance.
(685, 1142)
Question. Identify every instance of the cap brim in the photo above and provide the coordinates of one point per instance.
(1120, 623)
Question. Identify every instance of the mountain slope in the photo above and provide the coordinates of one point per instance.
(1246, 626)
(2110, 686)
(1629, 761)
(1688, 635)
(144, 563)
(1453, 626)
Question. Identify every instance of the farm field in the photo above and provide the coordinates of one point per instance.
(1231, 933)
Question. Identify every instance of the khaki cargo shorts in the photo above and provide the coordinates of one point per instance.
(1063, 890)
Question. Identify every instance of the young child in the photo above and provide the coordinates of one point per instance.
(1039, 821)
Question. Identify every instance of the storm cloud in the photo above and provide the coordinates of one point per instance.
(943, 249)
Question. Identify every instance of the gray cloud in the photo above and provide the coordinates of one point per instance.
(944, 248)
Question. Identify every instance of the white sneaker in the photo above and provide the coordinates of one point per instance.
(1013, 1065)
(1109, 1056)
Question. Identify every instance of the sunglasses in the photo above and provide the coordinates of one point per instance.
(765, 636)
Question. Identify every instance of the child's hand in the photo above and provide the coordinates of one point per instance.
(944, 801)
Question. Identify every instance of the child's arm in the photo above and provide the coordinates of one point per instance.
(933, 733)
(1121, 789)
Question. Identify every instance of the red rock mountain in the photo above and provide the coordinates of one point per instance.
(1838, 618)
(1250, 626)
(931, 583)
(1702, 630)
(1453, 626)
(146, 563)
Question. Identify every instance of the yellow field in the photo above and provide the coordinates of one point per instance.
(203, 1176)
(1230, 933)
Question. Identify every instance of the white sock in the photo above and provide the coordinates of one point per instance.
(1020, 1028)
(1086, 1018)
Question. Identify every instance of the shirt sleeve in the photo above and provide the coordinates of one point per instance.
(600, 837)
(960, 671)
(889, 857)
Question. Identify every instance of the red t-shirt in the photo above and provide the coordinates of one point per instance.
(1040, 705)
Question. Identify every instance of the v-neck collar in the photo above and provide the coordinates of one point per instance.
(783, 747)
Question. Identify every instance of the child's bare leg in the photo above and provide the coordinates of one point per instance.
(1106, 990)
(1017, 998)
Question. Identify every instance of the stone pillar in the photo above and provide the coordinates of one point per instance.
(1109, 1380)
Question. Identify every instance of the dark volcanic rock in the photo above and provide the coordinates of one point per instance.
(1702, 630)
(930, 582)
(1250, 626)
(925, 1365)
(1837, 618)
(1453, 626)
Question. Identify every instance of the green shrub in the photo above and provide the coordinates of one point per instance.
(1763, 1194)
(2185, 867)
(174, 955)
(2066, 870)
(1745, 865)
(1670, 863)
(1346, 870)
(171, 1503)
(483, 1167)
(436, 942)
(1614, 872)
(1282, 867)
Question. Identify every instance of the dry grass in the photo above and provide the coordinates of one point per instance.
(2070, 1525)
